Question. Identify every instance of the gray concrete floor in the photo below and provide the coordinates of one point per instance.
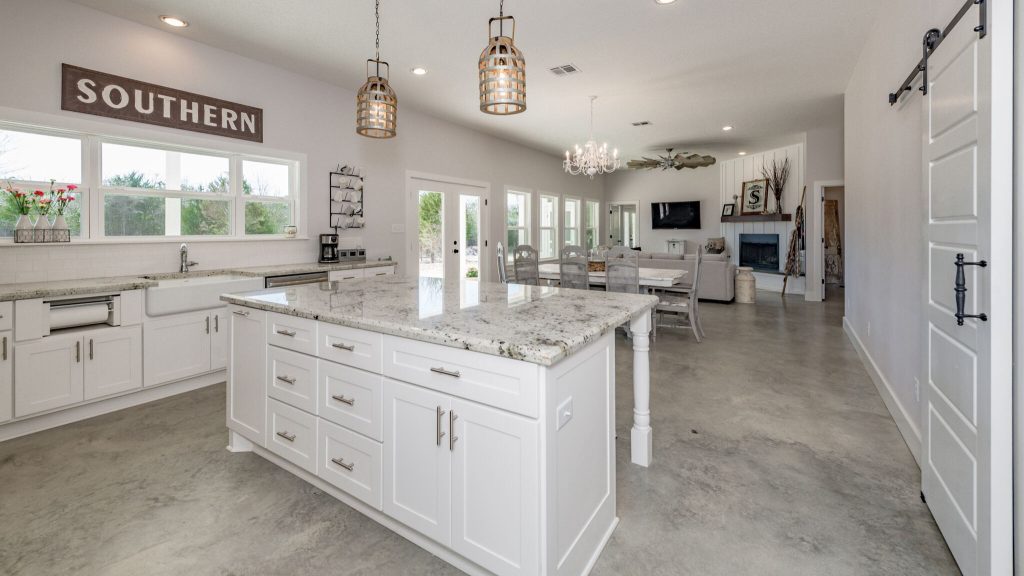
(773, 454)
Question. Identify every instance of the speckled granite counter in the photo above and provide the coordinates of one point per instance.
(537, 324)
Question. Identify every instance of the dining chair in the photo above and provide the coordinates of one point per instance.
(526, 265)
(685, 305)
(622, 271)
(502, 265)
(573, 271)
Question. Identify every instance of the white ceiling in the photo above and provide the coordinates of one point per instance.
(768, 67)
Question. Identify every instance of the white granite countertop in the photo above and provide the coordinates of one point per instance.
(536, 324)
(55, 288)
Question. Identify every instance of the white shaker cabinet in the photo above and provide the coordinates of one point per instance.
(49, 374)
(247, 373)
(6, 375)
(112, 361)
(177, 347)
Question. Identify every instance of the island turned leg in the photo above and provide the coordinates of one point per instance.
(640, 437)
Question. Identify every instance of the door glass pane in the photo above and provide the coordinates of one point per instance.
(431, 236)
(469, 236)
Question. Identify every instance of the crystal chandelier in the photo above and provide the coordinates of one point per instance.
(591, 159)
(502, 70)
(376, 102)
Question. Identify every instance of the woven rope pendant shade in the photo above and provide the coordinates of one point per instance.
(502, 73)
(376, 106)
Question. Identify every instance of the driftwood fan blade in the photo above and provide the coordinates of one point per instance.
(693, 161)
(679, 161)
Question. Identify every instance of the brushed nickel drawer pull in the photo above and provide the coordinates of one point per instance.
(441, 370)
(286, 379)
(346, 347)
(90, 349)
(341, 462)
(286, 436)
(216, 323)
(288, 333)
(78, 351)
(240, 312)
(207, 324)
(452, 438)
(440, 433)
(342, 399)
(5, 347)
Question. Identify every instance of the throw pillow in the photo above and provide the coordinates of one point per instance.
(715, 246)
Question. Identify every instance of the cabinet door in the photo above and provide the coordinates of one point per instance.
(495, 487)
(176, 347)
(417, 462)
(49, 374)
(113, 361)
(6, 375)
(247, 372)
(219, 339)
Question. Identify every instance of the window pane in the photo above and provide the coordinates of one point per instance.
(40, 157)
(9, 212)
(515, 238)
(267, 217)
(516, 209)
(140, 167)
(547, 243)
(571, 237)
(205, 217)
(572, 212)
(265, 179)
(547, 211)
(134, 215)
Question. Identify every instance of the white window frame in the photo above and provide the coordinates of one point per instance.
(527, 228)
(566, 201)
(588, 225)
(555, 227)
(91, 192)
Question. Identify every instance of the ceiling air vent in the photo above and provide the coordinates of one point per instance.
(565, 70)
(642, 123)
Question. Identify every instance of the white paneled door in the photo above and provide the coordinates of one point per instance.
(966, 463)
(451, 225)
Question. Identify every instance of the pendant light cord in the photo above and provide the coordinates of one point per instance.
(501, 15)
(376, 12)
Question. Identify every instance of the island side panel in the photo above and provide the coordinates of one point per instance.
(579, 421)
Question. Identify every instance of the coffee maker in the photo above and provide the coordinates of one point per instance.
(328, 248)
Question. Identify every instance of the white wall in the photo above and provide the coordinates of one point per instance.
(300, 115)
(885, 207)
(647, 186)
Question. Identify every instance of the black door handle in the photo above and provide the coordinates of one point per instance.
(960, 288)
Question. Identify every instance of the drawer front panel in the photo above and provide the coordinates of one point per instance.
(379, 271)
(351, 346)
(351, 462)
(291, 434)
(6, 315)
(345, 275)
(499, 382)
(351, 398)
(291, 378)
(291, 332)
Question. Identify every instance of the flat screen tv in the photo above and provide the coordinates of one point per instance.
(675, 215)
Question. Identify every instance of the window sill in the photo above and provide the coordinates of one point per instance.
(9, 243)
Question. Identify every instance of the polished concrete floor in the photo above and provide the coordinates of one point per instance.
(774, 455)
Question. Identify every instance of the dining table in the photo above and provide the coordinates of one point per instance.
(650, 278)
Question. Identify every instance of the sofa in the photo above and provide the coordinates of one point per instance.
(717, 272)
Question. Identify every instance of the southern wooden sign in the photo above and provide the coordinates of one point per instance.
(102, 94)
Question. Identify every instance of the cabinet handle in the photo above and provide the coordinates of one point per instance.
(240, 312)
(382, 273)
(216, 323)
(286, 379)
(207, 324)
(440, 433)
(90, 349)
(343, 400)
(441, 370)
(341, 462)
(286, 436)
(288, 333)
(452, 438)
(78, 351)
(341, 346)
(5, 347)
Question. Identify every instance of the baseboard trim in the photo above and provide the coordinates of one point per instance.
(62, 416)
(904, 422)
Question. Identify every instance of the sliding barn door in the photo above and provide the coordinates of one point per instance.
(966, 459)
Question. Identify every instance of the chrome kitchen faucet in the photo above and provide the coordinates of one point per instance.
(185, 262)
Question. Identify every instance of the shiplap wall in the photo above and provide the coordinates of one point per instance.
(735, 172)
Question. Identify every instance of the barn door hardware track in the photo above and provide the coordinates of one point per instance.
(931, 41)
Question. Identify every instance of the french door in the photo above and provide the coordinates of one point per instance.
(966, 397)
(451, 226)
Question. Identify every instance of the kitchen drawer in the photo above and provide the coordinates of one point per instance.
(291, 378)
(351, 462)
(345, 275)
(292, 332)
(292, 434)
(379, 271)
(6, 315)
(351, 346)
(492, 380)
(351, 398)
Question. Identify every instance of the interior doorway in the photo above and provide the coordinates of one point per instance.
(834, 230)
(623, 224)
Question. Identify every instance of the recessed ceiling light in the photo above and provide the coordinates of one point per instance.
(664, 1)
(418, 71)
(726, 128)
(172, 21)
(743, 153)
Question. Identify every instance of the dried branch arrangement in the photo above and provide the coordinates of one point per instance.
(777, 176)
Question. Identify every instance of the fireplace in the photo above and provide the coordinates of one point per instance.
(760, 251)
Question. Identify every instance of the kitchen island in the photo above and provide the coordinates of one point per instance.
(475, 419)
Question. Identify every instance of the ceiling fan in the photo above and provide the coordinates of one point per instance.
(679, 161)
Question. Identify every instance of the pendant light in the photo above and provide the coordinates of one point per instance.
(502, 70)
(376, 102)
